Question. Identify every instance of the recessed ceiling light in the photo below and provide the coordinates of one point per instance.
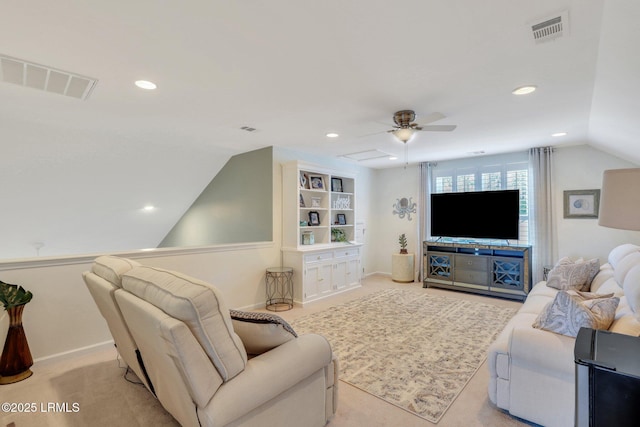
(393, 158)
(144, 84)
(524, 90)
(149, 208)
(559, 134)
(332, 135)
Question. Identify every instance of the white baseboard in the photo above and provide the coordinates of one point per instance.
(251, 306)
(76, 352)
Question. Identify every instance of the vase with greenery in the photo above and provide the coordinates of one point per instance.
(403, 243)
(16, 357)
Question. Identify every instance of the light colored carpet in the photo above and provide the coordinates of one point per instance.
(415, 351)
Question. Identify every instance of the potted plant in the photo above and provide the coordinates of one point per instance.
(402, 265)
(338, 235)
(403, 243)
(16, 356)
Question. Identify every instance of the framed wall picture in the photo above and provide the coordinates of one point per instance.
(336, 185)
(316, 182)
(341, 219)
(314, 218)
(581, 203)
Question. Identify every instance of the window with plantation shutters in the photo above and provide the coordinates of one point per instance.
(491, 173)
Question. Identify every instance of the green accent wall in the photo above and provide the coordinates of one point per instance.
(236, 206)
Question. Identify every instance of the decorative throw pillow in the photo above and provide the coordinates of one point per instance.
(571, 310)
(567, 275)
(260, 332)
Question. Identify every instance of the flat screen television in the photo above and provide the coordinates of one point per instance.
(476, 215)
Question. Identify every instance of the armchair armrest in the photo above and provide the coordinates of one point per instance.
(267, 376)
(547, 351)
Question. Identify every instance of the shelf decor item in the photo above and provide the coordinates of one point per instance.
(336, 185)
(338, 235)
(16, 357)
(308, 238)
(316, 182)
(314, 218)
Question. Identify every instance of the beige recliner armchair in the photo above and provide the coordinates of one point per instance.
(196, 363)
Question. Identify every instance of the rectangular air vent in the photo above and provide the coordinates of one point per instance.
(550, 28)
(366, 155)
(36, 76)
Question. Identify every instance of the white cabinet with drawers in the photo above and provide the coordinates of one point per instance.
(319, 273)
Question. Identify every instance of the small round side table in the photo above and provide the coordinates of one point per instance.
(279, 281)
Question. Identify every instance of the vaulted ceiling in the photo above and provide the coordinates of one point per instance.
(293, 71)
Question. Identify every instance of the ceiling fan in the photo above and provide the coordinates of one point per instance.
(405, 127)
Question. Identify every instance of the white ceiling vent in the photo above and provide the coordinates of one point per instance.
(550, 28)
(366, 155)
(25, 73)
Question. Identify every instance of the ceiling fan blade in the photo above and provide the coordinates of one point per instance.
(430, 118)
(437, 128)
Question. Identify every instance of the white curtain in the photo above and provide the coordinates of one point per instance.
(541, 210)
(423, 231)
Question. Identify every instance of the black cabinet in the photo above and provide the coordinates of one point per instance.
(607, 379)
(486, 269)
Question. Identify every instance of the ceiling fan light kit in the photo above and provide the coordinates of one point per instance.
(405, 127)
(403, 134)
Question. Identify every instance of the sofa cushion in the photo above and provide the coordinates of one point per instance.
(631, 286)
(625, 322)
(620, 252)
(608, 287)
(200, 306)
(605, 273)
(573, 275)
(111, 268)
(261, 332)
(625, 265)
(569, 311)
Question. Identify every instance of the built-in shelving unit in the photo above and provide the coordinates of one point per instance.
(487, 269)
(319, 214)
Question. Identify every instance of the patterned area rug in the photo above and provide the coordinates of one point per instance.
(414, 350)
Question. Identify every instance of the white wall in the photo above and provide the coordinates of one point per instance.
(63, 317)
(580, 168)
(390, 185)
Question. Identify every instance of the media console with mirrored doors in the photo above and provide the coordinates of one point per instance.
(488, 269)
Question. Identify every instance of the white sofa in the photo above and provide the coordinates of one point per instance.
(532, 371)
(177, 335)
